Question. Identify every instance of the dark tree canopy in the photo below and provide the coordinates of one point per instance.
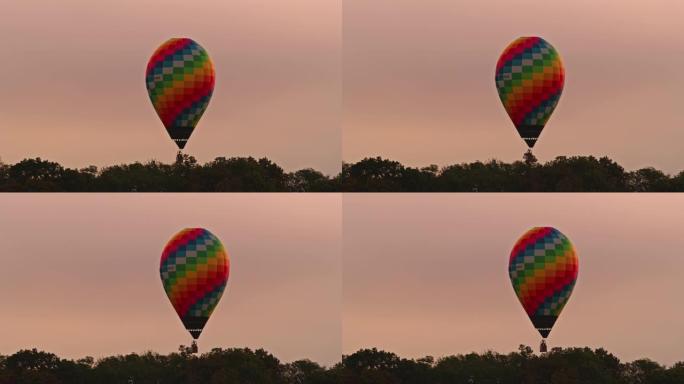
(237, 174)
(367, 366)
(247, 174)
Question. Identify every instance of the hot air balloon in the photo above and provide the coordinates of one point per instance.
(180, 81)
(543, 268)
(194, 270)
(529, 79)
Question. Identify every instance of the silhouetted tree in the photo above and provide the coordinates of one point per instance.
(380, 175)
(4, 173)
(245, 366)
(247, 174)
(649, 180)
(310, 180)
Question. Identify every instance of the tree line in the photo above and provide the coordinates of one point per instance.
(237, 174)
(247, 174)
(366, 366)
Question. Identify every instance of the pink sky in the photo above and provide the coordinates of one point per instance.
(419, 80)
(80, 273)
(314, 276)
(73, 90)
(427, 274)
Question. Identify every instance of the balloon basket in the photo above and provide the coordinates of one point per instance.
(542, 346)
(193, 347)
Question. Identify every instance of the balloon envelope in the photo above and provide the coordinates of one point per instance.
(180, 81)
(530, 78)
(194, 270)
(543, 268)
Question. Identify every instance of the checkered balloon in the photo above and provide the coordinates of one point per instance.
(530, 78)
(543, 268)
(180, 81)
(194, 270)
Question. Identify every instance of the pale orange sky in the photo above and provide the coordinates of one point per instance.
(419, 80)
(80, 273)
(427, 274)
(73, 90)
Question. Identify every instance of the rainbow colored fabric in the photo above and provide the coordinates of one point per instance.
(180, 81)
(530, 78)
(543, 268)
(194, 270)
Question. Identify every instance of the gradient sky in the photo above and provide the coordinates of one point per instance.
(72, 83)
(80, 273)
(419, 80)
(428, 274)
